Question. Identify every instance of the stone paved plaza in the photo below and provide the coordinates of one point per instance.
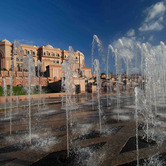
(114, 146)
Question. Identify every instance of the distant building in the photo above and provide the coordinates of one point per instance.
(50, 57)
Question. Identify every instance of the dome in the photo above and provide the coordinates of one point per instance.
(5, 41)
(48, 46)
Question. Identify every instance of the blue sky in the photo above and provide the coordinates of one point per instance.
(64, 23)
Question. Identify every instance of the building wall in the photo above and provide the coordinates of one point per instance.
(50, 57)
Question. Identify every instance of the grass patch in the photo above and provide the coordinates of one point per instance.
(18, 90)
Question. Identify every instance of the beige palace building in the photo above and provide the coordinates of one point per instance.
(50, 57)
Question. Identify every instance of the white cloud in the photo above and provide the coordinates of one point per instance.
(154, 18)
(131, 32)
(155, 10)
(151, 26)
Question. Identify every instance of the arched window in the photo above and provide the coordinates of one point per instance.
(57, 62)
(1, 61)
(28, 52)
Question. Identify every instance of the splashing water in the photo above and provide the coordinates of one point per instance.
(39, 69)
(109, 47)
(69, 87)
(5, 94)
(11, 102)
(136, 117)
(17, 102)
(30, 66)
(100, 50)
(154, 161)
(97, 74)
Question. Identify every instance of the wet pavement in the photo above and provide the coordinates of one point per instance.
(115, 145)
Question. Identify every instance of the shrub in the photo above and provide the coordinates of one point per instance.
(4, 69)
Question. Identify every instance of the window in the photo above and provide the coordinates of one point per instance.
(17, 59)
(19, 66)
(57, 55)
(53, 54)
(76, 58)
(33, 52)
(37, 54)
(57, 62)
(28, 52)
(53, 61)
(48, 54)
(44, 53)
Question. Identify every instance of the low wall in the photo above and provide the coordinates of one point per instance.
(33, 97)
(24, 81)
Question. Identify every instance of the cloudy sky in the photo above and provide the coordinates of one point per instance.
(64, 23)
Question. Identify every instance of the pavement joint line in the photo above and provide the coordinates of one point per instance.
(58, 102)
(115, 144)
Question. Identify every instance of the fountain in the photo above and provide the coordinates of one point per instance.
(136, 117)
(143, 125)
(151, 101)
(11, 102)
(98, 89)
(69, 88)
(118, 76)
(5, 95)
(110, 82)
(28, 64)
(39, 68)
(100, 50)
(17, 102)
